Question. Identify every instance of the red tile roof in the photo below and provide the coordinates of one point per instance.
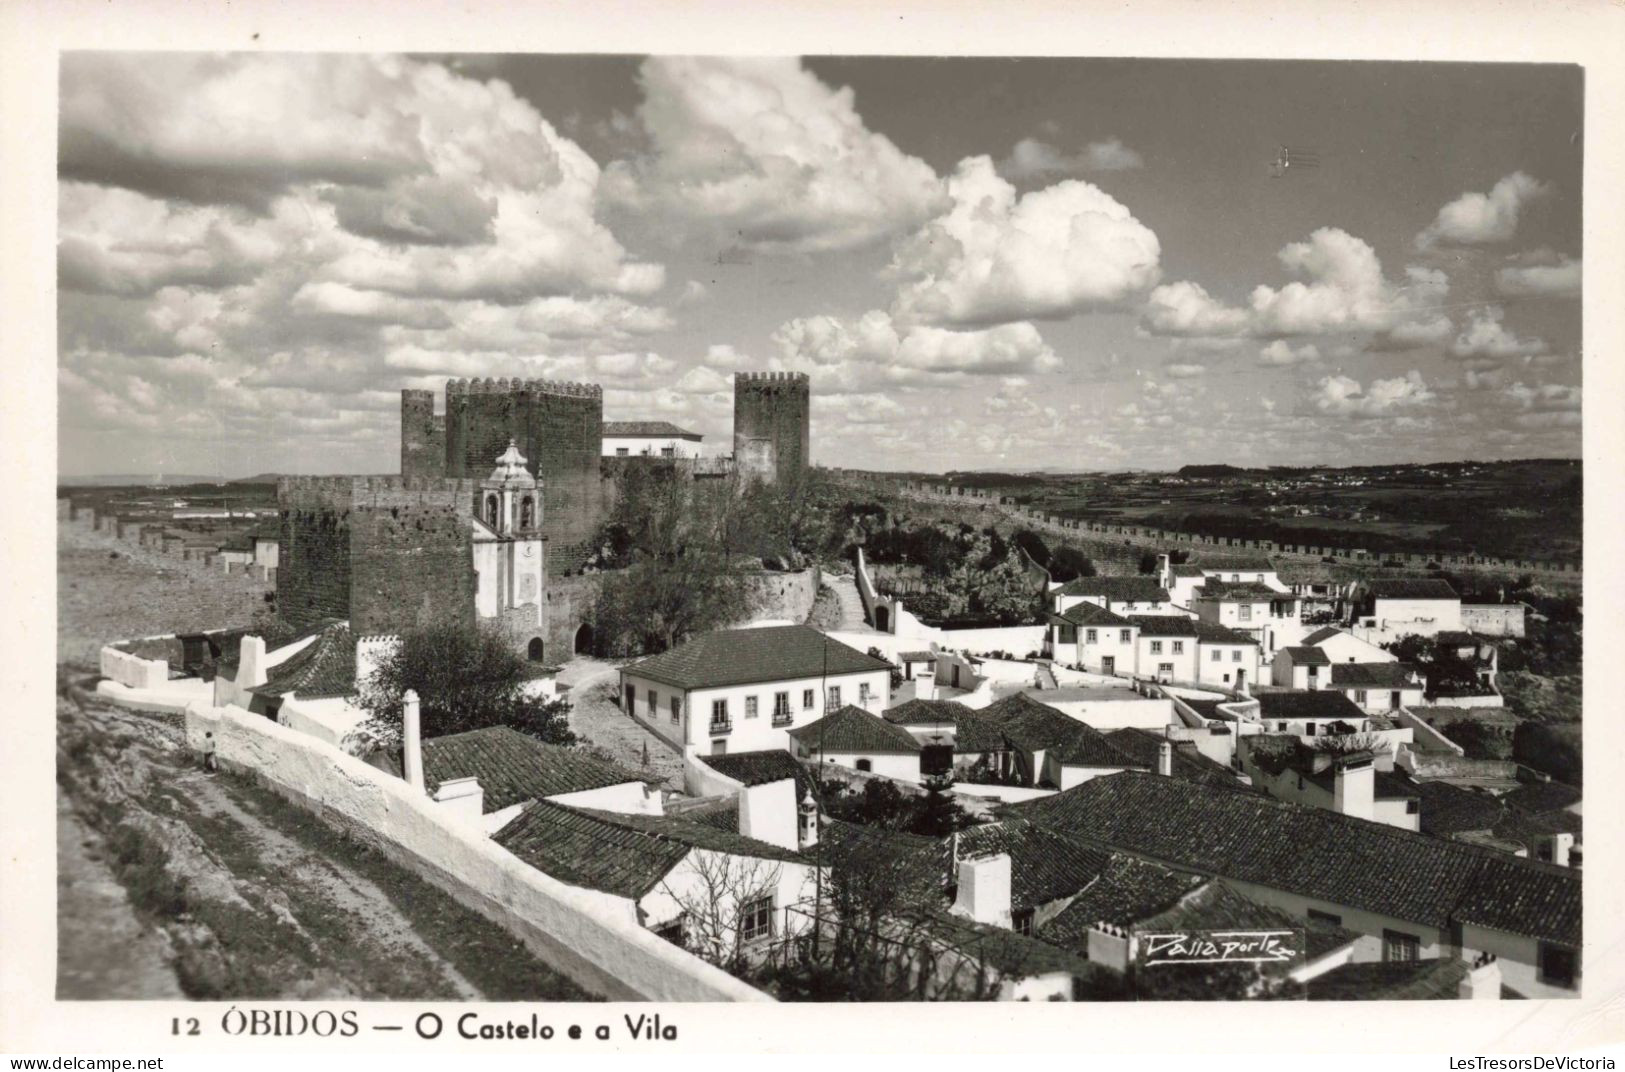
(750, 656)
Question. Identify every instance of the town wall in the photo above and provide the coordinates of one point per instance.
(313, 572)
(411, 562)
(783, 595)
(592, 937)
(1138, 538)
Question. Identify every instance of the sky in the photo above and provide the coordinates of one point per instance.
(981, 263)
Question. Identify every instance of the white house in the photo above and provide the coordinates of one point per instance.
(1120, 595)
(1089, 637)
(1390, 609)
(649, 439)
(1300, 667)
(1342, 646)
(742, 690)
(1377, 687)
(703, 886)
(1183, 580)
(1165, 648)
(853, 738)
(307, 684)
(1349, 784)
(1249, 607)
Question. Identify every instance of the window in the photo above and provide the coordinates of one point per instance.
(1069, 634)
(1235, 578)
(1359, 696)
(1165, 669)
(1156, 647)
(1557, 966)
(756, 919)
(631, 699)
(1317, 916)
(750, 707)
(671, 930)
(1125, 637)
(1217, 655)
(1091, 636)
(1280, 727)
(1179, 647)
(676, 708)
(1022, 922)
(865, 765)
(863, 692)
(781, 706)
(654, 703)
(834, 696)
(807, 696)
(1244, 612)
(1399, 946)
(1413, 807)
(667, 452)
(623, 452)
(719, 712)
(1235, 655)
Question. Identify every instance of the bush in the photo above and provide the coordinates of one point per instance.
(1553, 750)
(466, 678)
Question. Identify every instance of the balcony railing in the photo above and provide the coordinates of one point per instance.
(783, 720)
(719, 728)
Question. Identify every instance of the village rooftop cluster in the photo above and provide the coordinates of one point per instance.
(1203, 748)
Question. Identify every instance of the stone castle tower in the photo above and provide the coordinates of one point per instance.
(557, 427)
(772, 424)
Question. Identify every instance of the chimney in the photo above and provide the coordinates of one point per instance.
(411, 740)
(1165, 758)
(984, 890)
(251, 662)
(463, 799)
(1483, 980)
(768, 813)
(1561, 845)
(807, 814)
(1354, 786)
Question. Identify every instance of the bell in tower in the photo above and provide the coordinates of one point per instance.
(510, 498)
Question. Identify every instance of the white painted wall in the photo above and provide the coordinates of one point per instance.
(133, 672)
(685, 884)
(631, 798)
(1232, 658)
(1149, 658)
(650, 446)
(1519, 960)
(692, 729)
(592, 937)
(904, 766)
(1424, 617)
(1345, 647)
(1133, 711)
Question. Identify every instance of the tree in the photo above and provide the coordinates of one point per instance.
(466, 678)
(1478, 740)
(713, 904)
(1068, 563)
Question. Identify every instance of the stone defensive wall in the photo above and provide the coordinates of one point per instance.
(1159, 539)
(184, 546)
(592, 937)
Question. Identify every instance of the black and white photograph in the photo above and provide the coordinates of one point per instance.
(814, 526)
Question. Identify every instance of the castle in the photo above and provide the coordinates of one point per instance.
(452, 538)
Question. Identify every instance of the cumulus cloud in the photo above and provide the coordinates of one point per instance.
(873, 350)
(1486, 336)
(1034, 159)
(1476, 219)
(993, 258)
(1342, 396)
(1542, 273)
(761, 151)
(1184, 371)
(1281, 353)
(1342, 289)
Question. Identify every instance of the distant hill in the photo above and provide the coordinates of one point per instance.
(260, 478)
(119, 480)
(1209, 472)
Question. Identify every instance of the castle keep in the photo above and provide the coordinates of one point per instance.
(388, 553)
(772, 424)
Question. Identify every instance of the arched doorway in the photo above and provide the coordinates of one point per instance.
(584, 640)
(883, 618)
(535, 650)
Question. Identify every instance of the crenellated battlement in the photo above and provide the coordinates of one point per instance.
(502, 386)
(759, 380)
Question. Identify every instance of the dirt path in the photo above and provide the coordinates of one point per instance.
(596, 717)
(230, 892)
(105, 950)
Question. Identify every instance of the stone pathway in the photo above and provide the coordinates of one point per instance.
(597, 718)
(846, 592)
